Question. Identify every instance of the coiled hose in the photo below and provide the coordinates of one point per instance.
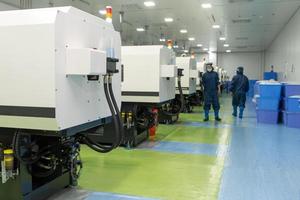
(100, 147)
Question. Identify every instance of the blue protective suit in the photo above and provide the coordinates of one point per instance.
(210, 81)
(239, 87)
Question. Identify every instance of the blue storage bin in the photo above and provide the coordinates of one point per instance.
(291, 119)
(290, 89)
(251, 91)
(269, 90)
(267, 116)
(270, 76)
(267, 103)
(292, 104)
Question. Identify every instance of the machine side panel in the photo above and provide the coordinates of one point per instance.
(188, 85)
(141, 69)
(27, 72)
(167, 89)
(193, 67)
(79, 101)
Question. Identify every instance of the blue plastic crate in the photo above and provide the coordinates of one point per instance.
(267, 116)
(270, 76)
(251, 91)
(292, 104)
(269, 90)
(291, 119)
(267, 103)
(290, 89)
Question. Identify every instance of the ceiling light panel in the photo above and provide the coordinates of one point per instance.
(206, 5)
(149, 3)
(169, 19)
(140, 29)
(183, 31)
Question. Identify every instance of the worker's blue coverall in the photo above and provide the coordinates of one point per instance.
(239, 87)
(210, 81)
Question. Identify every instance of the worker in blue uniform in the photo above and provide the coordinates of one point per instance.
(239, 87)
(211, 85)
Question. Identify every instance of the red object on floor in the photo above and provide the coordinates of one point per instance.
(152, 130)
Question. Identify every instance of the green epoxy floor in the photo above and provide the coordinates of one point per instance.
(158, 174)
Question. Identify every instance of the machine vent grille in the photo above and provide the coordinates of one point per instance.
(241, 20)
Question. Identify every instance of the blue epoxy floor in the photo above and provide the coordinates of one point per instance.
(263, 161)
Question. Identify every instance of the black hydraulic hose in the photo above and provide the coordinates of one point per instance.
(181, 95)
(121, 126)
(105, 148)
(181, 101)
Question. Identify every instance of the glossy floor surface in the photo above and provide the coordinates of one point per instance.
(233, 159)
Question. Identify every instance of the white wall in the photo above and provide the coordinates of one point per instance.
(284, 52)
(251, 61)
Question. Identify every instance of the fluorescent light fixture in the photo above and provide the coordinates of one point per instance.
(183, 31)
(228, 51)
(226, 45)
(169, 19)
(222, 38)
(149, 3)
(102, 12)
(206, 5)
(175, 46)
(205, 49)
(191, 39)
(140, 29)
(216, 26)
(199, 45)
(162, 39)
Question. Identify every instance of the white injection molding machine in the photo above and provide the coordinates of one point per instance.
(148, 83)
(189, 66)
(149, 74)
(44, 79)
(59, 81)
(188, 82)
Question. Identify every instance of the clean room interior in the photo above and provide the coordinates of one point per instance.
(149, 99)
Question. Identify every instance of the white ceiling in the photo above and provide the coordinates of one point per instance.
(267, 17)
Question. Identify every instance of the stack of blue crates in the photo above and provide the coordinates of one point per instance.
(251, 88)
(270, 76)
(291, 105)
(268, 96)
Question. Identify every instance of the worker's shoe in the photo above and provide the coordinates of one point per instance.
(218, 119)
(234, 111)
(206, 115)
(206, 119)
(241, 113)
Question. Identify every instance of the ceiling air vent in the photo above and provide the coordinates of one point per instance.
(241, 38)
(241, 47)
(131, 7)
(239, 1)
(241, 20)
